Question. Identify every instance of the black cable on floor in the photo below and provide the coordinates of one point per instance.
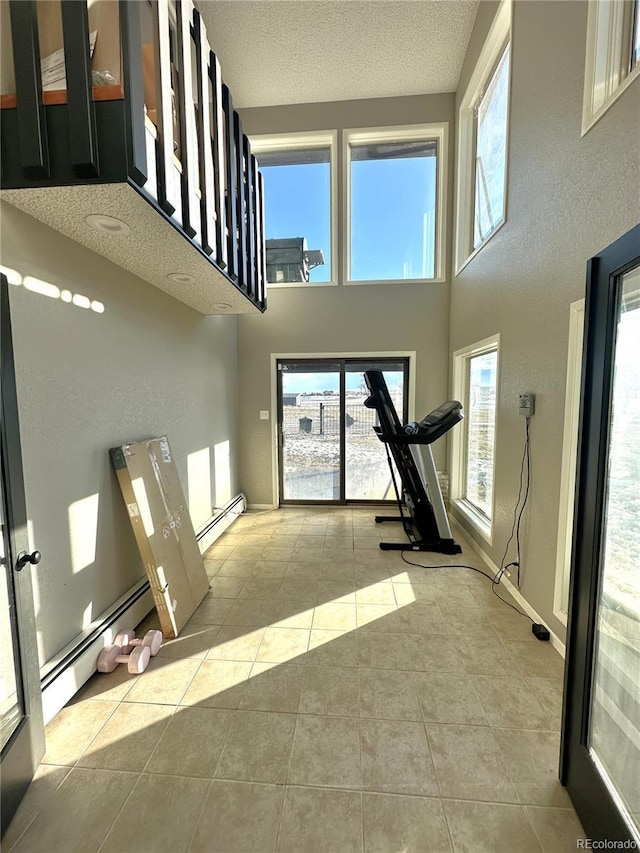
(495, 579)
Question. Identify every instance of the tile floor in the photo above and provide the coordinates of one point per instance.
(325, 697)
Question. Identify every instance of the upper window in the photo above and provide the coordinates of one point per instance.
(483, 143)
(613, 55)
(299, 198)
(491, 153)
(473, 448)
(395, 200)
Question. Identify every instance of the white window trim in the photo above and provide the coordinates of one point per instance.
(458, 438)
(281, 356)
(498, 36)
(417, 132)
(606, 74)
(569, 462)
(293, 141)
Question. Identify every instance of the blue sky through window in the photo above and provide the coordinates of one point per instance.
(393, 204)
(297, 204)
(393, 207)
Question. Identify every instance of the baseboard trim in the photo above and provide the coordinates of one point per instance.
(221, 521)
(66, 672)
(554, 639)
(258, 507)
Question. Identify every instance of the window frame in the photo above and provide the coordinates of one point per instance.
(498, 40)
(459, 438)
(608, 65)
(568, 471)
(271, 142)
(434, 132)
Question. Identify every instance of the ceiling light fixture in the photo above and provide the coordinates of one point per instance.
(108, 224)
(222, 306)
(181, 277)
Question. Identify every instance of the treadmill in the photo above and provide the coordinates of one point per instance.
(427, 525)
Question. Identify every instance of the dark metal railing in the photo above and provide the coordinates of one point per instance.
(186, 152)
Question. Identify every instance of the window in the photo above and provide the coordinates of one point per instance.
(483, 143)
(299, 201)
(473, 448)
(569, 460)
(613, 55)
(395, 203)
(491, 154)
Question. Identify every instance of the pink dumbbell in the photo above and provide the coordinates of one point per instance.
(111, 656)
(127, 640)
(120, 652)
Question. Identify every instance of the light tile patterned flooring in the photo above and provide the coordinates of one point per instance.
(325, 697)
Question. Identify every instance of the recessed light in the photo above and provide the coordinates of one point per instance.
(108, 224)
(181, 277)
(222, 306)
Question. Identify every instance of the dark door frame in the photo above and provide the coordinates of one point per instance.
(341, 363)
(593, 801)
(24, 749)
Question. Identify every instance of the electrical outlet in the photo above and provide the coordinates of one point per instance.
(264, 414)
(527, 404)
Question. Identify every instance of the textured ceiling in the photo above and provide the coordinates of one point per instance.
(305, 51)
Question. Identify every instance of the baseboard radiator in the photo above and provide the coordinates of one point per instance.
(64, 674)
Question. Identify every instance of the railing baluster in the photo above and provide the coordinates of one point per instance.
(219, 161)
(250, 160)
(207, 185)
(262, 245)
(232, 185)
(83, 138)
(134, 89)
(168, 196)
(241, 201)
(32, 124)
(188, 139)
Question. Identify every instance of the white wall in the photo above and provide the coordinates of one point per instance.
(568, 198)
(148, 365)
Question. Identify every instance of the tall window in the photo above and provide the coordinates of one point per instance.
(394, 217)
(298, 206)
(483, 133)
(612, 57)
(491, 153)
(473, 448)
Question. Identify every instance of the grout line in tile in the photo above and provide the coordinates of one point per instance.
(122, 808)
(196, 822)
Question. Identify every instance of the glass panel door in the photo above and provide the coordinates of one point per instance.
(615, 696)
(600, 749)
(9, 707)
(328, 451)
(309, 400)
(367, 474)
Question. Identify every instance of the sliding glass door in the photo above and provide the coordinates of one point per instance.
(328, 451)
(601, 726)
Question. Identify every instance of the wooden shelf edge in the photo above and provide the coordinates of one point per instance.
(59, 96)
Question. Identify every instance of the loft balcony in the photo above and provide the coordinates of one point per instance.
(117, 130)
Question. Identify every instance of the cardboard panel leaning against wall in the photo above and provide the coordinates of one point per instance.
(103, 358)
(161, 524)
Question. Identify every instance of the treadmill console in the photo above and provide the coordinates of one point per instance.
(436, 423)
